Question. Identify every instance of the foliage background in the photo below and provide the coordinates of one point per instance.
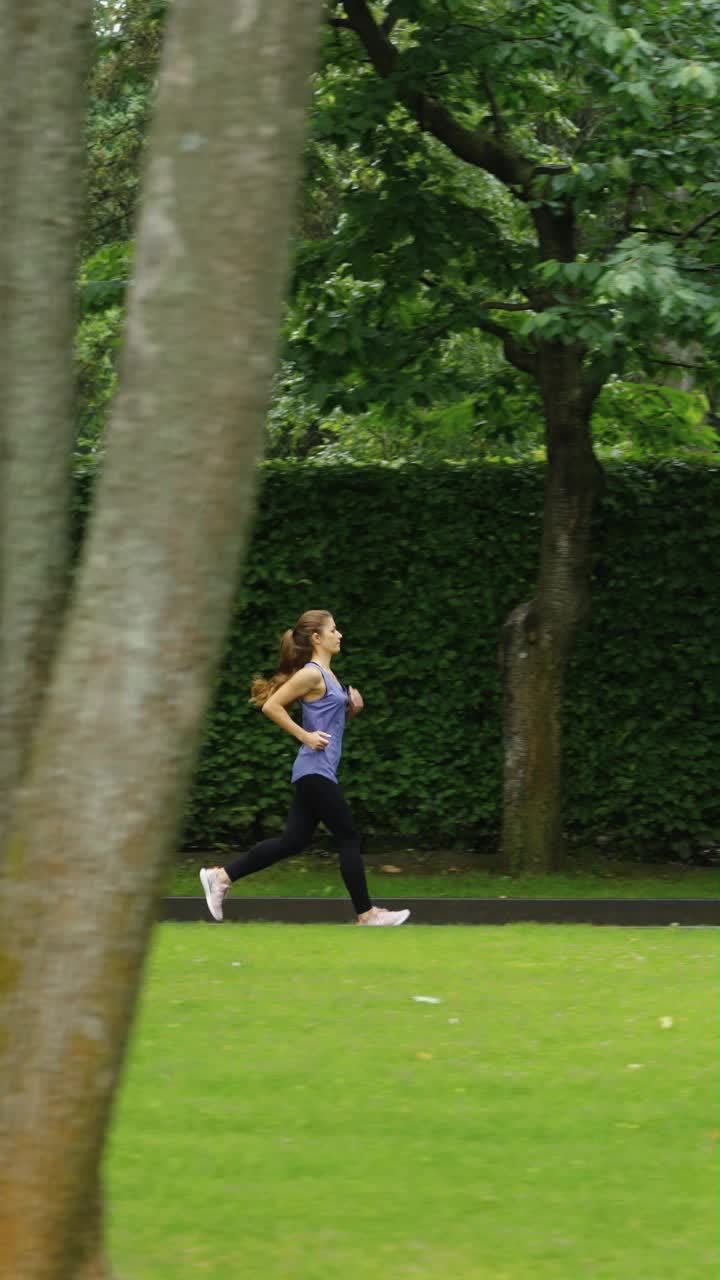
(406, 258)
(420, 566)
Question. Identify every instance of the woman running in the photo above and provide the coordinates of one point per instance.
(304, 674)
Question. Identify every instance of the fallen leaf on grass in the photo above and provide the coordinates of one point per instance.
(427, 999)
(425, 1056)
(391, 870)
(665, 1023)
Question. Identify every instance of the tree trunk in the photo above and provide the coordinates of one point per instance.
(43, 69)
(99, 807)
(538, 635)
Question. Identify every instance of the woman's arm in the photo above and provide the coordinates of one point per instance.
(355, 702)
(306, 680)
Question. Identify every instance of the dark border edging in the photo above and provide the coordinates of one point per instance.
(636, 912)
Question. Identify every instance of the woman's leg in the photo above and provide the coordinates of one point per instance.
(326, 801)
(299, 828)
(317, 799)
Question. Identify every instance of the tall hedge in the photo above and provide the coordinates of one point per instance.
(420, 566)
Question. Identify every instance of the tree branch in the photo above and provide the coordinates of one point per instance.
(681, 236)
(697, 226)
(389, 22)
(504, 35)
(678, 364)
(497, 330)
(137, 123)
(99, 228)
(429, 336)
(654, 231)
(489, 304)
(496, 304)
(521, 357)
(482, 150)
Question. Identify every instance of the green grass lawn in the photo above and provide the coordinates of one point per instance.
(290, 1110)
(315, 876)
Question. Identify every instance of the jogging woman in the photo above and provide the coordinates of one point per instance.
(304, 674)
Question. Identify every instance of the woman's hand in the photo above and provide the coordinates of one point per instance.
(316, 741)
(355, 702)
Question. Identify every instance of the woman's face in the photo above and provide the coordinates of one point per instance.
(329, 637)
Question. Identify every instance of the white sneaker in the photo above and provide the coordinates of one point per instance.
(381, 916)
(215, 890)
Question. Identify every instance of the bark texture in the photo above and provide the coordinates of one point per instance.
(538, 635)
(43, 70)
(98, 810)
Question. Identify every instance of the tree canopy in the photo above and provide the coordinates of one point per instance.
(438, 133)
(444, 136)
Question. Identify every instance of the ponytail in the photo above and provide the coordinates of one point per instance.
(295, 651)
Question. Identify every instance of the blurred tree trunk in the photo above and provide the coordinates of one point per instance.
(99, 803)
(43, 68)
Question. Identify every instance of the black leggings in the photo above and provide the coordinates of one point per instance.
(317, 799)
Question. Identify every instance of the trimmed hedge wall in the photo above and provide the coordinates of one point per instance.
(420, 566)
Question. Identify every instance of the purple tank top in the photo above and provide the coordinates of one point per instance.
(325, 715)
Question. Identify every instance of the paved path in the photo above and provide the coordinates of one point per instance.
(613, 911)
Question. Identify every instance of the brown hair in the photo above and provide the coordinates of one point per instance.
(295, 651)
